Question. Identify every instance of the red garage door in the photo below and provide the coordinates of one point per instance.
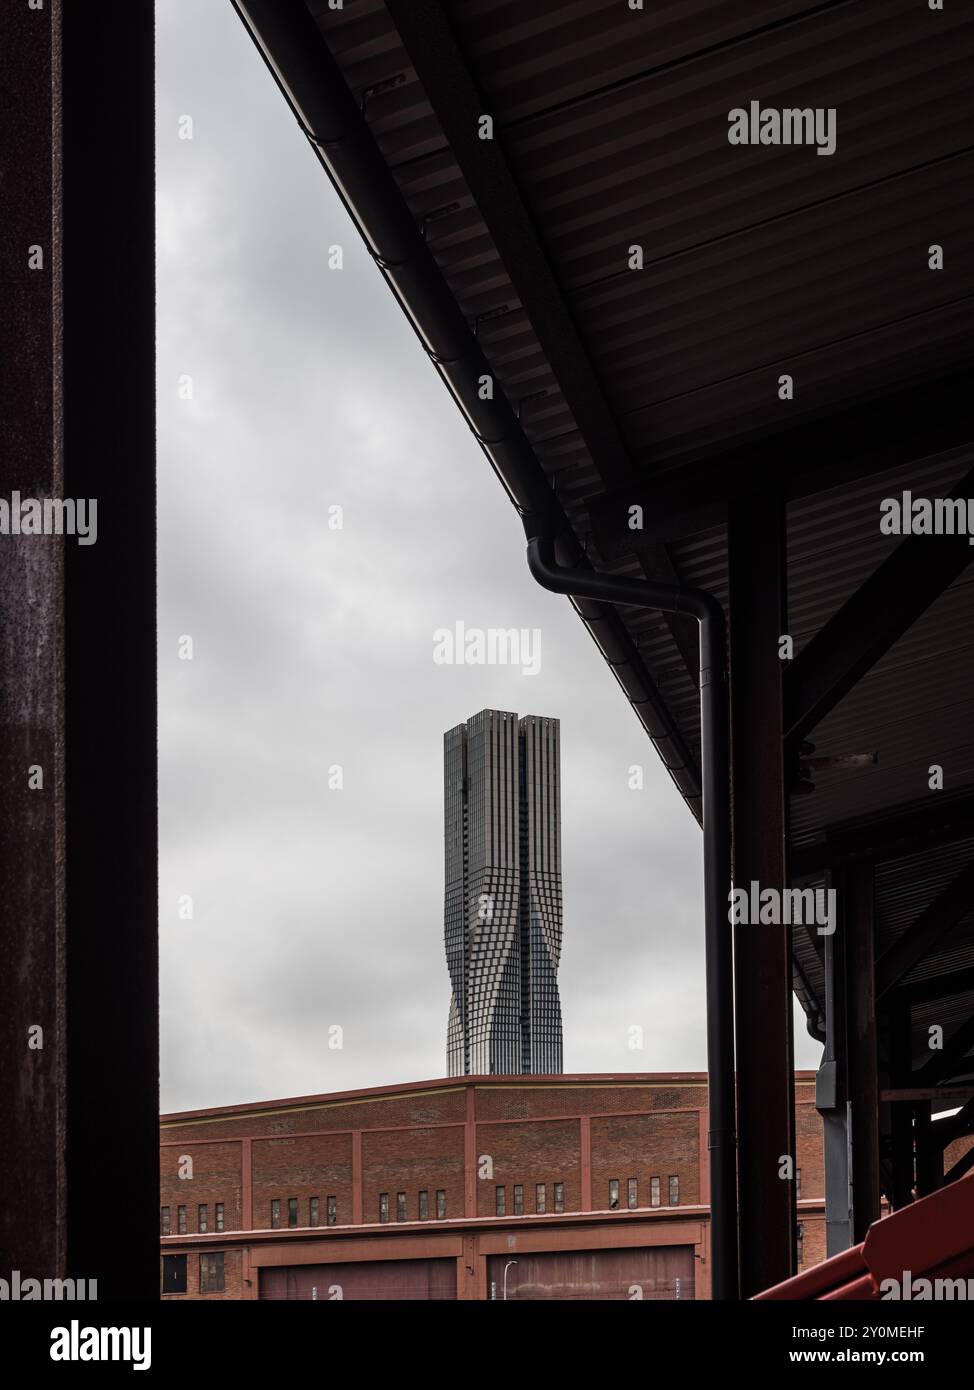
(655, 1272)
(378, 1279)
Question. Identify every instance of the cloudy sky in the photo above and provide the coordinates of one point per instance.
(314, 647)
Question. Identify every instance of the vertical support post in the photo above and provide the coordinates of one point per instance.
(32, 1000)
(763, 1009)
(111, 826)
(585, 1148)
(246, 1184)
(78, 647)
(703, 1159)
(901, 1114)
(470, 1153)
(830, 1101)
(855, 930)
(357, 1199)
(930, 1159)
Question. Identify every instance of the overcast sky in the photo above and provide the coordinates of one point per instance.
(314, 647)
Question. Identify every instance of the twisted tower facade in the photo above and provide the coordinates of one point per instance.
(502, 901)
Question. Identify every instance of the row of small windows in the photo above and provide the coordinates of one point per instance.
(331, 1204)
(202, 1219)
(314, 1212)
(423, 1206)
(540, 1198)
(655, 1192)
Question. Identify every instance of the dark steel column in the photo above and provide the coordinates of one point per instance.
(77, 636)
(32, 1078)
(111, 829)
(832, 1105)
(854, 903)
(929, 1158)
(901, 1114)
(763, 1009)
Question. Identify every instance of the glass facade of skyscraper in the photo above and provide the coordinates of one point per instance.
(502, 902)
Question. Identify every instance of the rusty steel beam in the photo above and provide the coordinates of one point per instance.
(77, 649)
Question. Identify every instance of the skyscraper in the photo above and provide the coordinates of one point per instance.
(502, 904)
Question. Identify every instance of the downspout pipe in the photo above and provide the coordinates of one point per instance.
(672, 598)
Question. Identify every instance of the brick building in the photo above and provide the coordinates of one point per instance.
(594, 1186)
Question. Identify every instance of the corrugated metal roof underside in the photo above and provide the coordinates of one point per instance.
(757, 261)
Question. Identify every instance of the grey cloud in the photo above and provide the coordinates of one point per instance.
(314, 647)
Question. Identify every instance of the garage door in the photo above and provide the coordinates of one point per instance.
(419, 1280)
(658, 1272)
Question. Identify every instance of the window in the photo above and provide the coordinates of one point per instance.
(633, 1193)
(541, 1196)
(181, 1220)
(166, 1221)
(313, 1212)
(211, 1273)
(383, 1206)
(292, 1211)
(424, 1206)
(400, 1206)
(613, 1194)
(798, 1184)
(332, 1211)
(654, 1192)
(518, 1199)
(501, 1202)
(174, 1273)
(219, 1216)
(559, 1196)
(674, 1192)
(275, 1213)
(800, 1241)
(440, 1205)
(201, 1217)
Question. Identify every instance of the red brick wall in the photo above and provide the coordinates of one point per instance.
(495, 1102)
(415, 1140)
(813, 1245)
(317, 1165)
(643, 1147)
(371, 1112)
(529, 1153)
(810, 1150)
(216, 1178)
(409, 1161)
